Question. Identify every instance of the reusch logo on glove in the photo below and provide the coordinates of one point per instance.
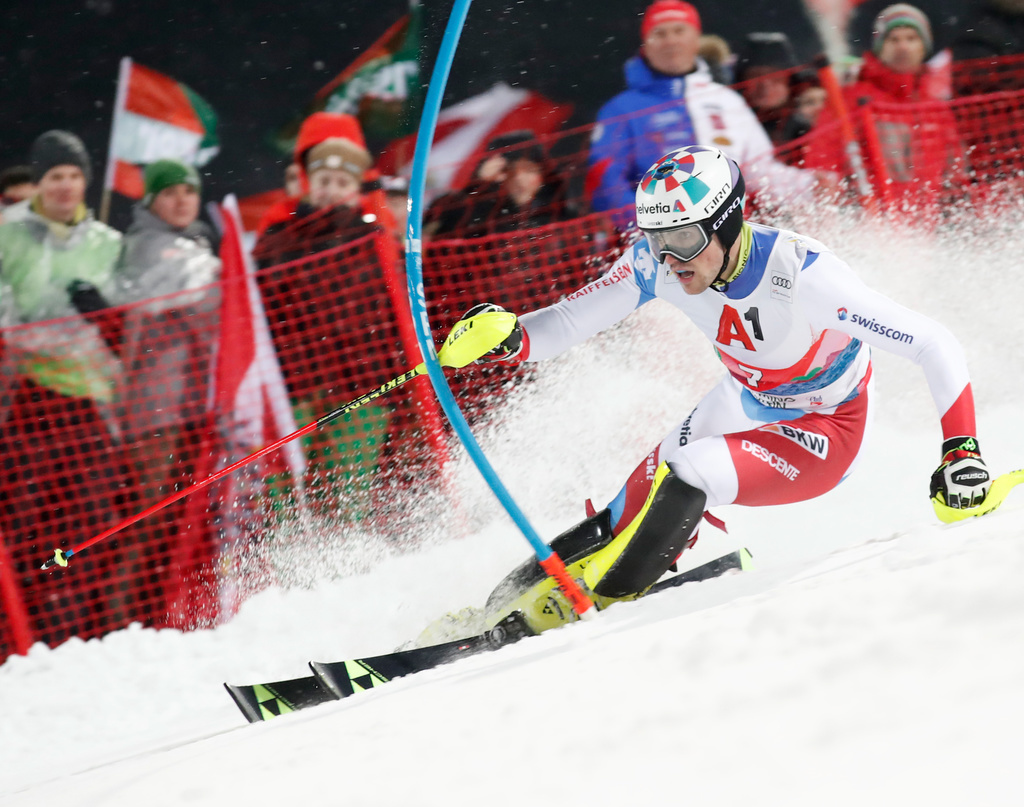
(961, 477)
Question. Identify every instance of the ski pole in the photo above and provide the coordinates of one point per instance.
(467, 341)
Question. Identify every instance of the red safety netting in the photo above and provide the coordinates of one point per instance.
(101, 417)
(97, 418)
(142, 421)
(990, 74)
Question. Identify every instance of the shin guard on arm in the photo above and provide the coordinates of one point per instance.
(650, 544)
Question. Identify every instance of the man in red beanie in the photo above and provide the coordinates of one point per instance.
(670, 102)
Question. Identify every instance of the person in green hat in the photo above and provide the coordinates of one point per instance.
(167, 249)
(166, 280)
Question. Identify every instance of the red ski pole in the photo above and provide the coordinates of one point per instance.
(470, 339)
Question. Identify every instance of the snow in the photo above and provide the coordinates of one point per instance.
(871, 656)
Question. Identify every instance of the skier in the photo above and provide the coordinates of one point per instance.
(793, 325)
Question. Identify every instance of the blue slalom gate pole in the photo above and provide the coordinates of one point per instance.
(550, 561)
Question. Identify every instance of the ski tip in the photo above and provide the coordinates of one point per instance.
(245, 702)
(746, 559)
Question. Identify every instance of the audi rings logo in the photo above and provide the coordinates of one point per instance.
(782, 282)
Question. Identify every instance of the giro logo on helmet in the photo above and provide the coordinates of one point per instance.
(725, 214)
(718, 198)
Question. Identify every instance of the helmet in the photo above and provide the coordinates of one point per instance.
(686, 198)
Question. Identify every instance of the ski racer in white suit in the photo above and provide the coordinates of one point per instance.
(794, 327)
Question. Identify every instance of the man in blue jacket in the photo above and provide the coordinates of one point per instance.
(671, 102)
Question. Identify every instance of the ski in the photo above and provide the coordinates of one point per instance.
(265, 701)
(335, 680)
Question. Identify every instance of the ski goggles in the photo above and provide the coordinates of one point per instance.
(684, 243)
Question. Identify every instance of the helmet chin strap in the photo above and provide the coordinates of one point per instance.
(718, 284)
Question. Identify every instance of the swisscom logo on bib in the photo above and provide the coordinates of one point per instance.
(875, 326)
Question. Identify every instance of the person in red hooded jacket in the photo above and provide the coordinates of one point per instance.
(341, 198)
(920, 149)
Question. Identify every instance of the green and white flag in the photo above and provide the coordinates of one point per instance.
(155, 118)
(382, 87)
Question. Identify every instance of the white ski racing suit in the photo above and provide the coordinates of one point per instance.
(789, 420)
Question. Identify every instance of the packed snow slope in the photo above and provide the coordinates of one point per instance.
(872, 656)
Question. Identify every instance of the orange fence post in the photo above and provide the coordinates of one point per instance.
(851, 144)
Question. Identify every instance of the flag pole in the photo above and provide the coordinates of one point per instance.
(123, 75)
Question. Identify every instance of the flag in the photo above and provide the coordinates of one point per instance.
(155, 118)
(250, 392)
(252, 210)
(381, 88)
(464, 130)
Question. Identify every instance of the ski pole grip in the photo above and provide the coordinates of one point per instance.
(580, 602)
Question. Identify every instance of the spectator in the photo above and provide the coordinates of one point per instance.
(292, 181)
(810, 100)
(57, 433)
(769, 80)
(896, 70)
(920, 146)
(720, 59)
(166, 271)
(166, 248)
(57, 261)
(16, 185)
(334, 164)
(513, 188)
(320, 309)
(671, 102)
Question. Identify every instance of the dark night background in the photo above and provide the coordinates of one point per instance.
(259, 63)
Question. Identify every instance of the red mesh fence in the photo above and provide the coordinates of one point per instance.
(101, 417)
(990, 74)
(98, 418)
(519, 271)
(140, 424)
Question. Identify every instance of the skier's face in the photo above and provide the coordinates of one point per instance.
(671, 48)
(697, 275)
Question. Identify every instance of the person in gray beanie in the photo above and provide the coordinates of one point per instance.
(58, 147)
(60, 367)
